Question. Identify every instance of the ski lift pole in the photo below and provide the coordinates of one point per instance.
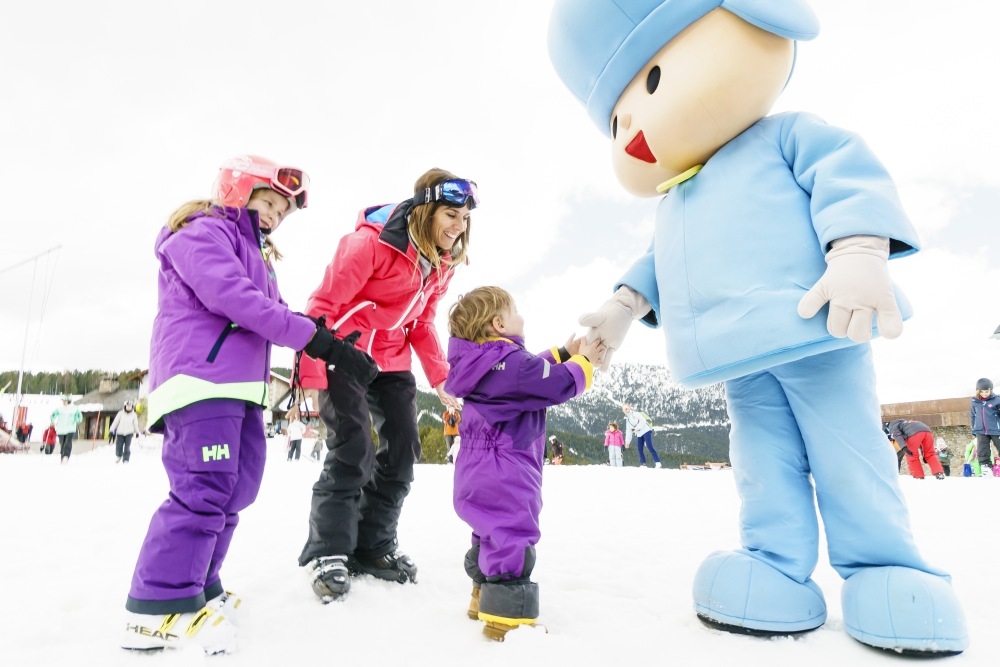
(27, 325)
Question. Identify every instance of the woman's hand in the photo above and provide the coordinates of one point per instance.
(446, 398)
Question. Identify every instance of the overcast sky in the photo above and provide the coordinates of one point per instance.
(116, 112)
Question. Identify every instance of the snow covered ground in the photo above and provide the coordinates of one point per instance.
(618, 552)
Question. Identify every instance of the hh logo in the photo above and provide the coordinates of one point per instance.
(214, 453)
(500, 366)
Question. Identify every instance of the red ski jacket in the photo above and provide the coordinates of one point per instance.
(374, 285)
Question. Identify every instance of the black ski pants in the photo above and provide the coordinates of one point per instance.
(358, 498)
(65, 445)
(983, 448)
(123, 447)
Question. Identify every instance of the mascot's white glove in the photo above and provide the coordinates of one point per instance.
(611, 321)
(856, 283)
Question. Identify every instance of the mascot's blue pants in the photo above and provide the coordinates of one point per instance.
(819, 415)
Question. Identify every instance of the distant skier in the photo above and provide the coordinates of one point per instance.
(125, 427)
(638, 422)
(985, 419)
(557, 450)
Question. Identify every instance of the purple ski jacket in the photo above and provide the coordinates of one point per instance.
(219, 310)
(498, 475)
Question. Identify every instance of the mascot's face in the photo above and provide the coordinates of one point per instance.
(717, 77)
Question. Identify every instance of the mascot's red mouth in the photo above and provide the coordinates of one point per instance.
(638, 149)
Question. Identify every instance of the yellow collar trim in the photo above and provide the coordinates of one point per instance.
(489, 338)
(679, 178)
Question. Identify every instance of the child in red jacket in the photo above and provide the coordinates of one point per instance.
(614, 440)
(49, 439)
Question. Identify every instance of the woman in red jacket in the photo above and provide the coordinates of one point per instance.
(383, 284)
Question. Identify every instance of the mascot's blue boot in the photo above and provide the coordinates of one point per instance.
(738, 593)
(904, 610)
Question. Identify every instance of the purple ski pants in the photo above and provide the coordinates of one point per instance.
(213, 453)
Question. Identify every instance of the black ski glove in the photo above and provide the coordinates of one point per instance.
(342, 355)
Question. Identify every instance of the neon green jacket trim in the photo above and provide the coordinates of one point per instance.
(183, 390)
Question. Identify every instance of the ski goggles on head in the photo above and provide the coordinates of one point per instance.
(453, 192)
(292, 183)
(288, 181)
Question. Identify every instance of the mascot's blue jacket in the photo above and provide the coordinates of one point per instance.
(741, 242)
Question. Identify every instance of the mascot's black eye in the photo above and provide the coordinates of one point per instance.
(614, 127)
(653, 80)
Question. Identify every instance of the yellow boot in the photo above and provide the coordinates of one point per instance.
(497, 627)
(497, 630)
(474, 604)
(504, 606)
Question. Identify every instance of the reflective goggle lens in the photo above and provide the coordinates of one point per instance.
(293, 183)
(458, 192)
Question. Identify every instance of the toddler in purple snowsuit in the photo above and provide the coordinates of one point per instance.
(505, 391)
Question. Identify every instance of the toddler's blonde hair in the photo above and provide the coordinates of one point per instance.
(471, 317)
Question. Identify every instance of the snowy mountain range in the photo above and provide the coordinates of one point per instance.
(691, 426)
(647, 388)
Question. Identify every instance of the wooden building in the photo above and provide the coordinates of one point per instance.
(948, 418)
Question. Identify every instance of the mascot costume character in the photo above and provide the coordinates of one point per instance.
(768, 271)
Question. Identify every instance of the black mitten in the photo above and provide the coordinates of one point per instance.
(320, 345)
(341, 354)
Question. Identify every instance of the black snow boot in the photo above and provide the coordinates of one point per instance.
(393, 566)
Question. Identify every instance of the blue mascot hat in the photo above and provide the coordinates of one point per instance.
(598, 46)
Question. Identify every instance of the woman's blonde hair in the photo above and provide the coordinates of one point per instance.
(421, 223)
(180, 219)
(471, 317)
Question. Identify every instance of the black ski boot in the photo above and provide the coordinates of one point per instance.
(393, 566)
(330, 579)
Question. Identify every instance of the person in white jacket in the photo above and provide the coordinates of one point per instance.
(638, 422)
(125, 426)
(296, 430)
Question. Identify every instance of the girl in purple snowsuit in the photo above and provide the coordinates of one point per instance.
(219, 312)
(505, 391)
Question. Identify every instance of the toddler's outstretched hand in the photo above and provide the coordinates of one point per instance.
(573, 344)
(593, 350)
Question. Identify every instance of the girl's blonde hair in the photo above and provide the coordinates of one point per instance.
(471, 317)
(180, 219)
(421, 224)
(613, 425)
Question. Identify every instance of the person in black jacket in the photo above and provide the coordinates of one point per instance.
(24, 432)
(985, 418)
(557, 450)
(917, 439)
